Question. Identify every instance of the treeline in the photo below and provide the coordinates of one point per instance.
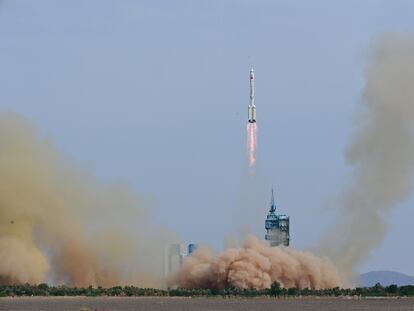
(274, 291)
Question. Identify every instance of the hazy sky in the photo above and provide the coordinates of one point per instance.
(155, 93)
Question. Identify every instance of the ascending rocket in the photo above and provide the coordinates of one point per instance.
(252, 108)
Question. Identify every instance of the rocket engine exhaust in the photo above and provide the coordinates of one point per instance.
(252, 142)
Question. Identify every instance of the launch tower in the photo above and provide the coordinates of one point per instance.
(277, 226)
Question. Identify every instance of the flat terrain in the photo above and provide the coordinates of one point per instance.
(201, 304)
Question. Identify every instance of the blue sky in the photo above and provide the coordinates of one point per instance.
(155, 93)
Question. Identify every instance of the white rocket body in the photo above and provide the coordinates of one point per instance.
(252, 108)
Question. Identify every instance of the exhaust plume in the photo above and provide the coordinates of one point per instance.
(58, 224)
(256, 265)
(252, 142)
(381, 155)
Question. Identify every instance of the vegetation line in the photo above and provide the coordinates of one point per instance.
(274, 291)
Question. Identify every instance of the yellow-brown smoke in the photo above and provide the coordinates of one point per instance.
(381, 155)
(256, 265)
(59, 224)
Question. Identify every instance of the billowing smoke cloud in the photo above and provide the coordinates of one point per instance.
(381, 155)
(59, 224)
(256, 265)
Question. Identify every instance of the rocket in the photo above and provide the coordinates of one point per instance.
(251, 112)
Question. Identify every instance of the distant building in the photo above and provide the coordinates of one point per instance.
(175, 254)
(277, 226)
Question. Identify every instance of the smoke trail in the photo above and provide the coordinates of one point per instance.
(256, 265)
(252, 142)
(381, 155)
(59, 223)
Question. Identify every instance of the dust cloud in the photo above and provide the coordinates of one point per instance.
(59, 224)
(256, 265)
(381, 155)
